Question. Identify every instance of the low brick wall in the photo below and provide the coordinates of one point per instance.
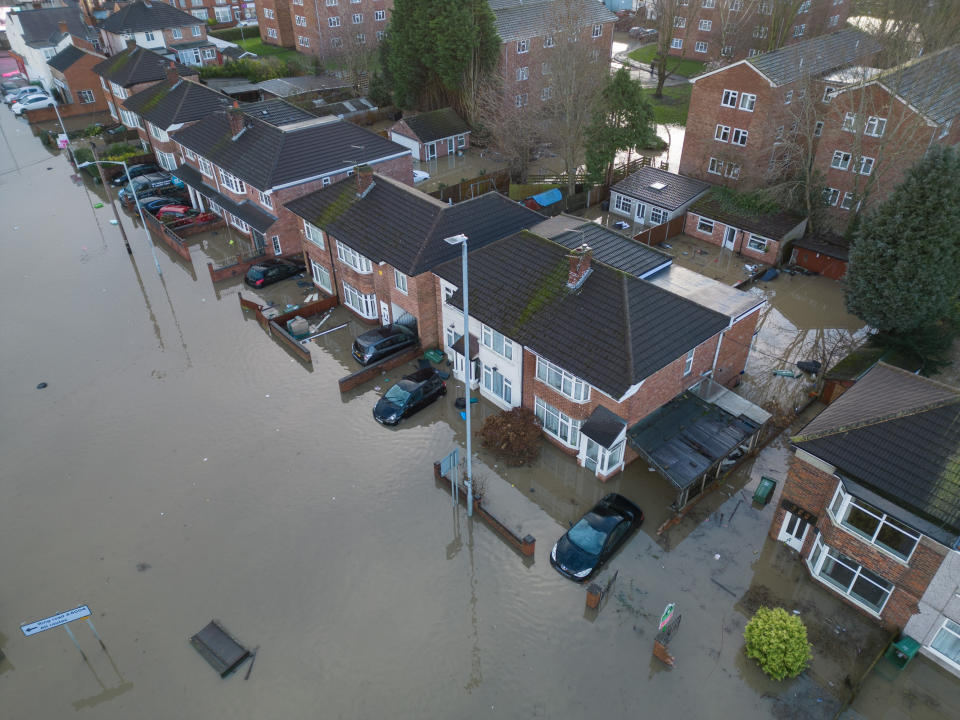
(370, 371)
(524, 545)
(276, 327)
(167, 236)
(240, 267)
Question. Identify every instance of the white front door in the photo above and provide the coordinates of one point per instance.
(450, 146)
(431, 150)
(793, 531)
(641, 215)
(728, 237)
(384, 312)
(592, 455)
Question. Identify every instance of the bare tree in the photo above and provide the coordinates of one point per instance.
(670, 15)
(510, 130)
(736, 20)
(357, 59)
(579, 73)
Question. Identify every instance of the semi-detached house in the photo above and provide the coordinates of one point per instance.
(158, 26)
(744, 116)
(872, 504)
(247, 163)
(35, 36)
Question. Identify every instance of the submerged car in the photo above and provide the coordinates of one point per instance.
(135, 171)
(377, 344)
(589, 544)
(267, 272)
(156, 183)
(152, 203)
(412, 393)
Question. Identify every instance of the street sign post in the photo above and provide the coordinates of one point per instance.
(53, 621)
(667, 615)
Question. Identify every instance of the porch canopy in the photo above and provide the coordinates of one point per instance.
(457, 347)
(694, 432)
(603, 426)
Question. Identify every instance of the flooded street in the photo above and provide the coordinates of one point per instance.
(181, 466)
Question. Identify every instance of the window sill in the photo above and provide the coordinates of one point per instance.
(863, 541)
(830, 586)
(562, 394)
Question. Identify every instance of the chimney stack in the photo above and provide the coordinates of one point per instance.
(579, 266)
(235, 115)
(131, 44)
(62, 24)
(364, 180)
(172, 75)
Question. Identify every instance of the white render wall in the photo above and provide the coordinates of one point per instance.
(640, 210)
(941, 600)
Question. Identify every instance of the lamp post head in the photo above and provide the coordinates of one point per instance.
(456, 239)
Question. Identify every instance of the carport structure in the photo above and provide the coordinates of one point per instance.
(697, 436)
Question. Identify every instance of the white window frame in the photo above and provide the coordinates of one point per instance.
(277, 248)
(489, 383)
(565, 383)
(839, 510)
(708, 4)
(270, 15)
(232, 182)
(700, 46)
(118, 92)
(239, 224)
(847, 202)
(705, 25)
(830, 196)
(757, 243)
(272, 33)
(363, 304)
(546, 93)
(314, 235)
(818, 129)
(833, 21)
(679, 22)
(818, 556)
(726, 51)
(331, 3)
(206, 167)
(849, 122)
(177, 33)
(788, 98)
(223, 14)
(523, 46)
(195, 30)
(497, 342)
(676, 44)
(705, 225)
(209, 54)
(951, 628)
(380, 15)
(597, 30)
(333, 21)
(739, 137)
(264, 199)
(722, 133)
(357, 18)
(729, 98)
(303, 41)
(748, 101)
(841, 160)
(568, 429)
(549, 41)
(876, 126)
(130, 119)
(300, 20)
(658, 216)
(321, 276)
(349, 256)
(828, 93)
(688, 362)
(400, 281)
(623, 203)
(731, 170)
(715, 166)
(168, 161)
(521, 100)
(86, 97)
(865, 165)
(523, 73)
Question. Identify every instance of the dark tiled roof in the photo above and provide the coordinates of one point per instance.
(899, 435)
(603, 426)
(183, 101)
(819, 55)
(436, 125)
(40, 27)
(140, 16)
(769, 225)
(267, 156)
(516, 19)
(66, 57)
(247, 211)
(401, 226)
(190, 45)
(613, 332)
(930, 83)
(137, 65)
(678, 189)
(608, 247)
(277, 112)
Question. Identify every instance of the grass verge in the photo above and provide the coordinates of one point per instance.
(686, 68)
(672, 108)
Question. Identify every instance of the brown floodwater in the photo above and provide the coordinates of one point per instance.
(180, 466)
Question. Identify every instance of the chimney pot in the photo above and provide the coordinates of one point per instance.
(579, 266)
(172, 74)
(364, 177)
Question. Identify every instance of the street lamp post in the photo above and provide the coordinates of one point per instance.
(461, 240)
(100, 163)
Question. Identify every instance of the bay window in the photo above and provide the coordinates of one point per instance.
(557, 424)
(562, 381)
(873, 525)
(321, 276)
(848, 577)
(365, 305)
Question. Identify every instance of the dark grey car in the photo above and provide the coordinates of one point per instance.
(378, 344)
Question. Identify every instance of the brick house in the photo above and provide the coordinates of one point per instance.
(127, 73)
(730, 30)
(75, 84)
(167, 106)
(761, 237)
(529, 49)
(592, 349)
(875, 131)
(741, 115)
(35, 36)
(937, 624)
(324, 28)
(874, 476)
(432, 134)
(220, 13)
(247, 163)
(373, 241)
(160, 27)
(652, 196)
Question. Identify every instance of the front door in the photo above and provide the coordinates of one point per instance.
(431, 150)
(728, 237)
(259, 244)
(384, 312)
(641, 214)
(793, 531)
(593, 455)
(450, 146)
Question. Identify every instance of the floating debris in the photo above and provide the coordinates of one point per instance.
(41, 386)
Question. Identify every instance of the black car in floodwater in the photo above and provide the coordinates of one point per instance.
(413, 392)
(596, 536)
(267, 272)
(377, 344)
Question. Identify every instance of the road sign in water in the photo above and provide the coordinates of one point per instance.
(667, 615)
(55, 620)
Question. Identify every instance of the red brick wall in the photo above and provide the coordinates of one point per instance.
(812, 489)
(80, 76)
(401, 128)
(282, 22)
(740, 243)
(734, 349)
(320, 40)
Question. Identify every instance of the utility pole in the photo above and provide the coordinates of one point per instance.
(113, 204)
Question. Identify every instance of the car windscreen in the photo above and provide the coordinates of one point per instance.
(586, 537)
(256, 272)
(397, 395)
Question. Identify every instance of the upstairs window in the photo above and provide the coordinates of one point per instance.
(523, 46)
(333, 21)
(841, 160)
(748, 101)
(232, 183)
(730, 98)
(314, 234)
(739, 137)
(705, 25)
(400, 281)
(597, 31)
(875, 126)
(873, 525)
(496, 342)
(562, 381)
(265, 199)
(351, 257)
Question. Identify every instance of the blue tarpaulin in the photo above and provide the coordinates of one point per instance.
(547, 198)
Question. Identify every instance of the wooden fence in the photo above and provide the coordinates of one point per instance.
(498, 181)
(276, 327)
(661, 233)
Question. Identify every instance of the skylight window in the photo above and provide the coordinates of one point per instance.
(658, 185)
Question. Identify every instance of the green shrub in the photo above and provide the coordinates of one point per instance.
(235, 33)
(777, 640)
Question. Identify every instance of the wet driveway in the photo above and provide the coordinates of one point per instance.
(180, 466)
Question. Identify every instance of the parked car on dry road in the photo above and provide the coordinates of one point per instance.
(589, 544)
